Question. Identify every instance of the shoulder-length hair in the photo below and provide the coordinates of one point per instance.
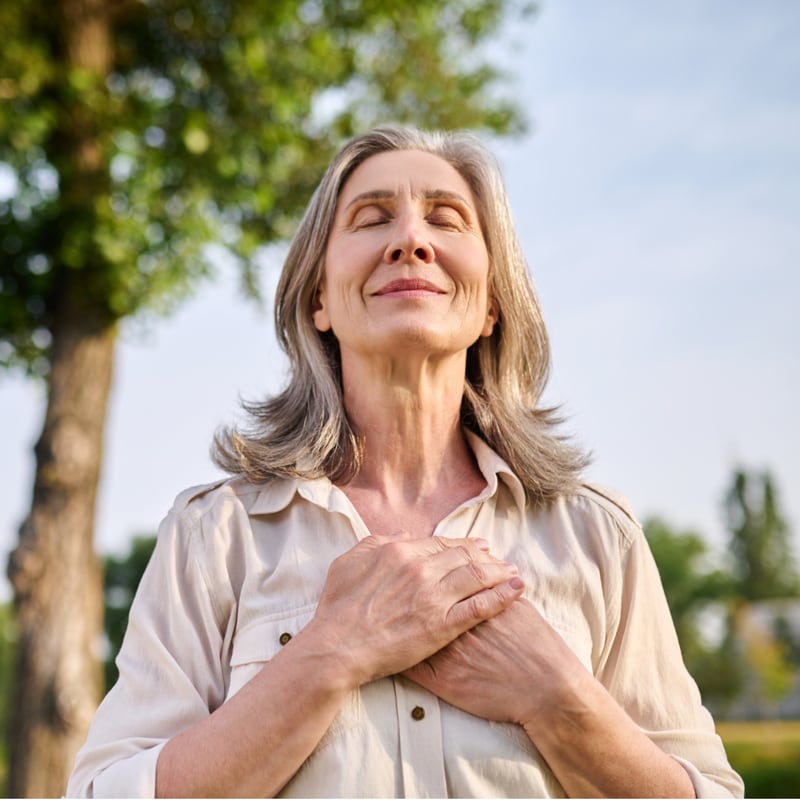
(304, 430)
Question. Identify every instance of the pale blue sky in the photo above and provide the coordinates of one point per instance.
(658, 200)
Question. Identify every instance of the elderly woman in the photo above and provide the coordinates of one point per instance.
(405, 590)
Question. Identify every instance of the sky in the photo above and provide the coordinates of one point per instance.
(657, 197)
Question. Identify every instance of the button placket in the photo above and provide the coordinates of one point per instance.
(421, 746)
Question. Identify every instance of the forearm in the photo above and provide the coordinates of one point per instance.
(596, 750)
(255, 742)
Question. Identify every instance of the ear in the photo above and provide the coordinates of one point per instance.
(492, 315)
(319, 311)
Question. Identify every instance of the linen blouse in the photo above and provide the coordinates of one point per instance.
(238, 570)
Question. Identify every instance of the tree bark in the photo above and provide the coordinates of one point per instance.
(54, 571)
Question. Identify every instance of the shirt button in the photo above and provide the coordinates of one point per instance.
(285, 638)
(418, 713)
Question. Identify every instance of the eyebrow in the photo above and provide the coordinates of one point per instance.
(430, 194)
(382, 194)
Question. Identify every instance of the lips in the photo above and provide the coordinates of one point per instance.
(409, 286)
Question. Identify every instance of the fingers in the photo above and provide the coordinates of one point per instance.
(465, 578)
(468, 569)
(455, 581)
(429, 545)
(485, 604)
(456, 568)
(474, 584)
(389, 602)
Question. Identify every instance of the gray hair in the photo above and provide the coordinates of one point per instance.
(304, 431)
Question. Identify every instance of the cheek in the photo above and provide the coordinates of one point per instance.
(348, 266)
(474, 261)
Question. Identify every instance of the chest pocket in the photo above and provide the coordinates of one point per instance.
(259, 641)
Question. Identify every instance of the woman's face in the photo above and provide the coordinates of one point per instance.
(406, 267)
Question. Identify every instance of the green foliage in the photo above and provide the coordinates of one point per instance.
(692, 587)
(212, 123)
(720, 671)
(766, 755)
(770, 778)
(789, 641)
(689, 582)
(8, 652)
(121, 579)
(764, 564)
(753, 661)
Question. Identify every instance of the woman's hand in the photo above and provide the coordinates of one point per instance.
(390, 603)
(516, 668)
(510, 668)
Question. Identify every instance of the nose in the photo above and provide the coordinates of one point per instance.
(409, 243)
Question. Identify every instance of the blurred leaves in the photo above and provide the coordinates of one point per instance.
(731, 618)
(763, 561)
(213, 124)
(690, 581)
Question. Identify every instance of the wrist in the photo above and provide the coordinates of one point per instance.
(327, 655)
(563, 709)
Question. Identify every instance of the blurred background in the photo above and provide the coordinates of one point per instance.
(652, 157)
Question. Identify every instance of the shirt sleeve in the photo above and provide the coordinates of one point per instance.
(170, 667)
(643, 669)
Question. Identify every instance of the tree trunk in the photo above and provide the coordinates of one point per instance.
(54, 570)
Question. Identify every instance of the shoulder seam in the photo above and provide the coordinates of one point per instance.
(612, 498)
(621, 516)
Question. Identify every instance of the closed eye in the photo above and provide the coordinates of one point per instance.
(446, 217)
(369, 217)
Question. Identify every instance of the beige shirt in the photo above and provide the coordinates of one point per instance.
(239, 568)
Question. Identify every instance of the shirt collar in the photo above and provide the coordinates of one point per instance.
(276, 495)
(492, 466)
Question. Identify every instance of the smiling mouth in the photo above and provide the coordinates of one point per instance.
(409, 287)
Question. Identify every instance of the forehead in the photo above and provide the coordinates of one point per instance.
(396, 172)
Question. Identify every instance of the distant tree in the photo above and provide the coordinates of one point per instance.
(690, 583)
(788, 638)
(721, 670)
(770, 673)
(694, 588)
(764, 564)
(136, 133)
(8, 657)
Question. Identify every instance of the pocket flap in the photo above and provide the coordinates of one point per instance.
(261, 639)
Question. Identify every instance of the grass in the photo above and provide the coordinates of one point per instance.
(766, 755)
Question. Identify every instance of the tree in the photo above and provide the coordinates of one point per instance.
(764, 563)
(693, 588)
(690, 584)
(136, 133)
(7, 658)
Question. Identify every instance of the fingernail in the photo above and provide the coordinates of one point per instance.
(511, 567)
(516, 584)
(482, 544)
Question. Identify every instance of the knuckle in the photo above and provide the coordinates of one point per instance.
(500, 595)
(479, 605)
(393, 552)
(466, 553)
(478, 572)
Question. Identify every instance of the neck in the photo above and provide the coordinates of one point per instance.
(409, 420)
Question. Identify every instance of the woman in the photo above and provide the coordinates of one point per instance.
(404, 590)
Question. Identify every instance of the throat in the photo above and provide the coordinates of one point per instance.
(410, 518)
